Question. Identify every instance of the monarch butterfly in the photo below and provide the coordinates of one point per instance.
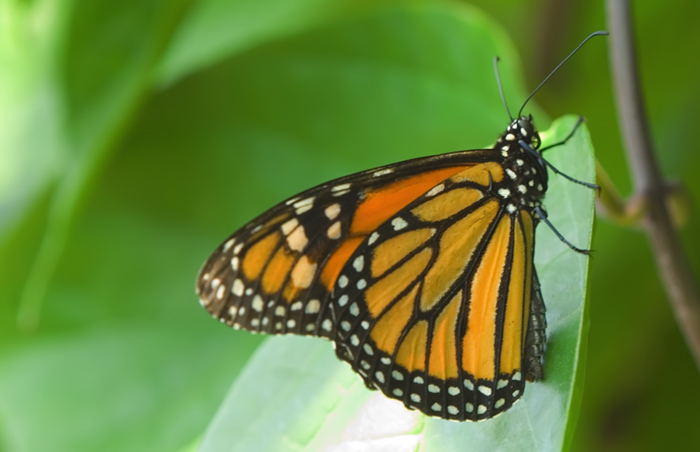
(420, 272)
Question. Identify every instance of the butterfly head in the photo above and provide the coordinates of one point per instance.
(521, 129)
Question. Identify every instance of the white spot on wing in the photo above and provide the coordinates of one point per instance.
(383, 172)
(313, 306)
(297, 240)
(289, 226)
(332, 211)
(398, 223)
(237, 288)
(435, 190)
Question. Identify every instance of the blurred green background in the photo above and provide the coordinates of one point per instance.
(136, 135)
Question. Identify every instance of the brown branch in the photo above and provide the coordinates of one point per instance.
(670, 258)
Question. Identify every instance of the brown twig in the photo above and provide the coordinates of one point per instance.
(670, 258)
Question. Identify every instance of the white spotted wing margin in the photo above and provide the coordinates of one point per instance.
(307, 227)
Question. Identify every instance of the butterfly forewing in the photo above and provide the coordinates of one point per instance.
(420, 272)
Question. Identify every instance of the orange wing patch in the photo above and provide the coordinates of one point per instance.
(256, 257)
(457, 245)
(478, 350)
(337, 261)
(384, 291)
(445, 205)
(412, 351)
(381, 204)
(388, 329)
(511, 349)
(443, 351)
(480, 174)
(390, 252)
(276, 271)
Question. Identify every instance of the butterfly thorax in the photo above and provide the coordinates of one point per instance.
(526, 176)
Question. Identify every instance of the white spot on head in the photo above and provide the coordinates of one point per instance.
(415, 398)
(327, 325)
(313, 306)
(433, 388)
(504, 152)
(289, 226)
(373, 238)
(361, 284)
(504, 192)
(257, 303)
(436, 407)
(435, 190)
(280, 311)
(343, 300)
(237, 288)
(397, 375)
(523, 131)
(297, 240)
(398, 223)
(332, 211)
(334, 231)
(296, 306)
(510, 137)
(379, 376)
(220, 292)
(359, 263)
(354, 309)
(383, 172)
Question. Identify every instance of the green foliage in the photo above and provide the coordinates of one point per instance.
(136, 135)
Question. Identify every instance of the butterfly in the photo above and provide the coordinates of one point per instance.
(420, 272)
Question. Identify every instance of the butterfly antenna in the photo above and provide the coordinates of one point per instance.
(597, 33)
(500, 86)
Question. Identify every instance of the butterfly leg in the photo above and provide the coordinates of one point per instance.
(568, 137)
(529, 149)
(536, 337)
(543, 216)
